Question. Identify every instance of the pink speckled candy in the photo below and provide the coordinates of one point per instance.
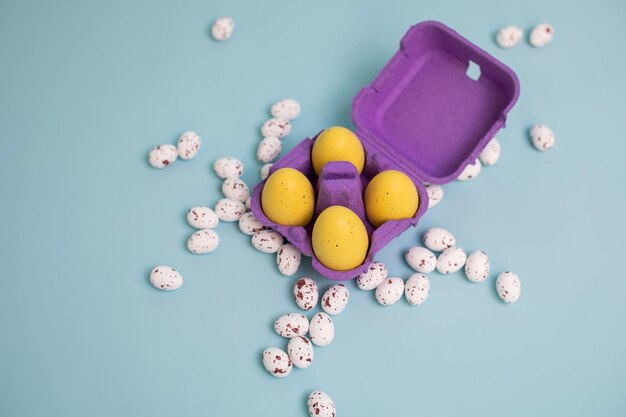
(477, 266)
(321, 405)
(321, 329)
(305, 293)
(374, 275)
(249, 224)
(509, 287)
(203, 241)
(291, 325)
(438, 239)
(300, 352)
(421, 259)
(188, 145)
(269, 149)
(222, 29)
(200, 217)
(390, 291)
(229, 209)
(335, 299)
(276, 362)
(228, 168)
(165, 278)
(276, 127)
(288, 259)
(416, 289)
(267, 241)
(451, 260)
(163, 156)
(236, 189)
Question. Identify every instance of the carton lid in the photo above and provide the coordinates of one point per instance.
(425, 112)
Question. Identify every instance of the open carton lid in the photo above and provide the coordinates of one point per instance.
(425, 112)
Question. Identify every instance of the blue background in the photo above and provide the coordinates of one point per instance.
(88, 88)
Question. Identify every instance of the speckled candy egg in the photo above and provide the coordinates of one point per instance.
(300, 350)
(236, 189)
(248, 200)
(222, 29)
(451, 260)
(188, 145)
(470, 171)
(509, 36)
(203, 241)
(163, 156)
(267, 241)
(321, 329)
(269, 149)
(490, 155)
(287, 109)
(276, 127)
(374, 275)
(200, 217)
(421, 259)
(265, 171)
(305, 293)
(249, 224)
(389, 291)
(438, 239)
(416, 289)
(165, 278)
(435, 195)
(541, 35)
(288, 259)
(321, 405)
(229, 210)
(276, 362)
(335, 299)
(477, 266)
(228, 168)
(542, 137)
(509, 287)
(291, 325)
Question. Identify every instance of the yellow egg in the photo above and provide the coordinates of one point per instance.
(288, 198)
(339, 239)
(390, 195)
(337, 144)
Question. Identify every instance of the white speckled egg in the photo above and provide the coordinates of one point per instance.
(269, 149)
(267, 241)
(288, 259)
(374, 275)
(509, 287)
(451, 260)
(291, 325)
(389, 291)
(248, 200)
(421, 259)
(300, 350)
(188, 145)
(249, 224)
(541, 35)
(490, 155)
(305, 293)
(438, 239)
(435, 195)
(203, 241)
(236, 189)
(222, 29)
(542, 137)
(477, 266)
(321, 405)
(200, 217)
(165, 278)
(335, 299)
(276, 362)
(265, 171)
(276, 127)
(416, 289)
(509, 36)
(228, 168)
(287, 109)
(163, 156)
(470, 171)
(321, 329)
(229, 210)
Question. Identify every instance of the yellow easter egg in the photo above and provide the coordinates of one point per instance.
(390, 195)
(337, 144)
(288, 198)
(339, 239)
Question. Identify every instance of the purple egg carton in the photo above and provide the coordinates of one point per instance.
(422, 115)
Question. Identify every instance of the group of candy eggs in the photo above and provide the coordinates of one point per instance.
(339, 237)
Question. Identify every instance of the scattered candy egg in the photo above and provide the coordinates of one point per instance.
(288, 259)
(188, 145)
(249, 225)
(321, 329)
(222, 29)
(541, 35)
(477, 266)
(288, 198)
(374, 275)
(229, 209)
(203, 241)
(228, 168)
(542, 137)
(509, 287)
(509, 36)
(276, 127)
(305, 293)
(470, 171)
(269, 149)
(292, 325)
(236, 189)
(438, 239)
(421, 259)
(335, 299)
(321, 405)
(389, 291)
(337, 144)
(163, 156)
(435, 195)
(200, 217)
(267, 241)
(390, 195)
(339, 239)
(287, 109)
(265, 171)
(490, 155)
(300, 352)
(165, 278)
(248, 200)
(451, 260)
(416, 289)
(276, 362)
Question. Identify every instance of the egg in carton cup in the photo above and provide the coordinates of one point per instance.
(424, 115)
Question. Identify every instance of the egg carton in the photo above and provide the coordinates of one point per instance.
(425, 114)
